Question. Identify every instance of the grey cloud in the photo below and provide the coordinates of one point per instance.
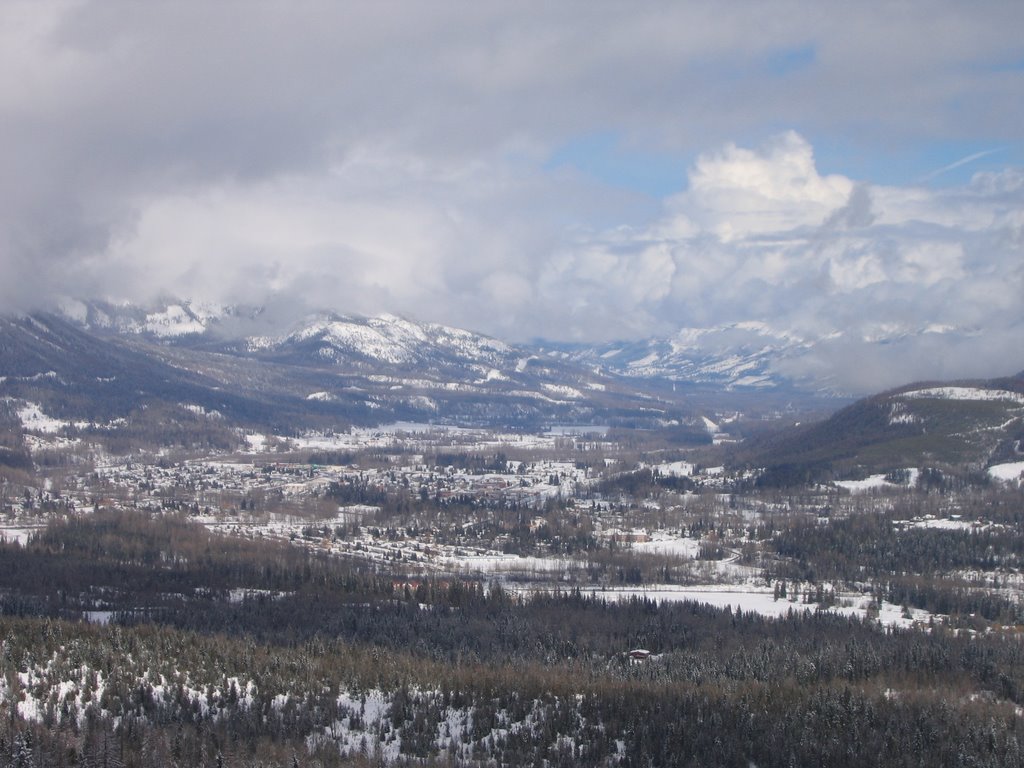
(856, 213)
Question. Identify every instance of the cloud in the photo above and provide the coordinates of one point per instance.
(404, 157)
(758, 235)
(739, 192)
(905, 282)
(973, 157)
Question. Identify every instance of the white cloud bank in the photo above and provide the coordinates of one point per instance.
(937, 275)
(759, 234)
(394, 158)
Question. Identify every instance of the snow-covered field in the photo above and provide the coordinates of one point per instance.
(674, 469)
(748, 598)
(948, 524)
(759, 599)
(876, 482)
(664, 545)
(496, 562)
(19, 534)
(860, 486)
(1012, 472)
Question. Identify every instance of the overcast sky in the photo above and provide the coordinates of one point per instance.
(568, 170)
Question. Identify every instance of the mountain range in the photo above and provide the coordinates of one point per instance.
(97, 364)
(103, 362)
(742, 357)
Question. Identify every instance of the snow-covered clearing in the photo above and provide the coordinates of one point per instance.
(256, 442)
(496, 562)
(674, 469)
(20, 534)
(688, 548)
(875, 482)
(762, 601)
(860, 486)
(50, 442)
(34, 420)
(1012, 472)
(562, 390)
(946, 524)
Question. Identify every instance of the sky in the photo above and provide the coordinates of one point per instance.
(576, 171)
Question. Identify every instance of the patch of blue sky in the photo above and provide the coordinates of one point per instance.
(605, 157)
(1007, 65)
(786, 61)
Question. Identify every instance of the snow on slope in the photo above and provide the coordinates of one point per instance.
(182, 320)
(34, 420)
(173, 320)
(965, 393)
(352, 337)
(389, 339)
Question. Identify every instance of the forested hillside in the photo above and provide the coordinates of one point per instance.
(952, 425)
(225, 652)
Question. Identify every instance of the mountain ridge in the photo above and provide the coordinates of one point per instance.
(317, 381)
(745, 356)
(965, 423)
(740, 356)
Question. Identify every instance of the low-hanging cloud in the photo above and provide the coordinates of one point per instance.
(758, 235)
(367, 159)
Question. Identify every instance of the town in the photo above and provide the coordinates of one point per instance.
(563, 509)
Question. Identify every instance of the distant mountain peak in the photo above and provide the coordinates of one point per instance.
(167, 319)
(390, 339)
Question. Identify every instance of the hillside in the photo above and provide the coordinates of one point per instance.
(971, 424)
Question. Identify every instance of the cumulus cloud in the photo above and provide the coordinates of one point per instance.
(902, 282)
(741, 192)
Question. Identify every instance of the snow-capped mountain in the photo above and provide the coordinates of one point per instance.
(332, 369)
(751, 356)
(736, 356)
(386, 339)
(433, 368)
(324, 338)
(329, 367)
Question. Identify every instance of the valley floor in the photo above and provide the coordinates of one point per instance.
(414, 595)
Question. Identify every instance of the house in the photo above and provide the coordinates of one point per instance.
(635, 536)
